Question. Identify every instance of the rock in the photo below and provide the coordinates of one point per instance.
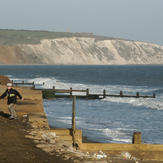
(126, 155)
(25, 116)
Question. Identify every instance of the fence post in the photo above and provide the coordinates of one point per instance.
(73, 121)
(136, 138)
(104, 93)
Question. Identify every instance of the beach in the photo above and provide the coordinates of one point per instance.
(30, 139)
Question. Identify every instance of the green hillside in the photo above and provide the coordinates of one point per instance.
(11, 37)
(8, 37)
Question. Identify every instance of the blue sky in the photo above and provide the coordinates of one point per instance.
(131, 19)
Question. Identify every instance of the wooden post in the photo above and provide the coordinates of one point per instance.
(121, 93)
(137, 94)
(23, 82)
(104, 93)
(73, 120)
(154, 95)
(43, 83)
(54, 89)
(87, 92)
(33, 85)
(136, 138)
(70, 91)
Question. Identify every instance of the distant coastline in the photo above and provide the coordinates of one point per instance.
(19, 47)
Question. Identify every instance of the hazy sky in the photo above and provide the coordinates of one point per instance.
(131, 19)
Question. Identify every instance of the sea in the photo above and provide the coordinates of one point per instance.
(109, 120)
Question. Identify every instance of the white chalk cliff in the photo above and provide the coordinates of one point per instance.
(82, 50)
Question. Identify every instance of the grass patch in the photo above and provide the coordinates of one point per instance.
(12, 37)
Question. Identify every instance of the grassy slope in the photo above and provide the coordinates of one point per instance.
(11, 37)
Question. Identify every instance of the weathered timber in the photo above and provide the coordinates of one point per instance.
(73, 121)
(136, 138)
(121, 94)
(104, 93)
(67, 93)
(23, 83)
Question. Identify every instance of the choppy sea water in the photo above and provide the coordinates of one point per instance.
(111, 119)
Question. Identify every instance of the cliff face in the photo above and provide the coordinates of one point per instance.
(82, 50)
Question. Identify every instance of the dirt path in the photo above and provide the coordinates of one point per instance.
(14, 147)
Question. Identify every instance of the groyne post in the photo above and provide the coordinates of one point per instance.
(104, 93)
(70, 91)
(121, 93)
(137, 94)
(87, 92)
(54, 89)
(33, 83)
(73, 121)
(154, 95)
(136, 138)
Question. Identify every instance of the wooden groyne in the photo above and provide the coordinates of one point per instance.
(63, 93)
(68, 93)
(136, 148)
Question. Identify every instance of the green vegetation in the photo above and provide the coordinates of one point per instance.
(9, 37)
(12, 37)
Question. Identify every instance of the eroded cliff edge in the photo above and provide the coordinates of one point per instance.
(82, 50)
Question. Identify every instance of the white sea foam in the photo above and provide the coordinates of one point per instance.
(66, 120)
(117, 135)
(156, 103)
(110, 135)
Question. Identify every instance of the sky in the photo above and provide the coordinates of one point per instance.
(140, 20)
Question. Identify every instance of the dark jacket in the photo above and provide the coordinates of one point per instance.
(11, 96)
